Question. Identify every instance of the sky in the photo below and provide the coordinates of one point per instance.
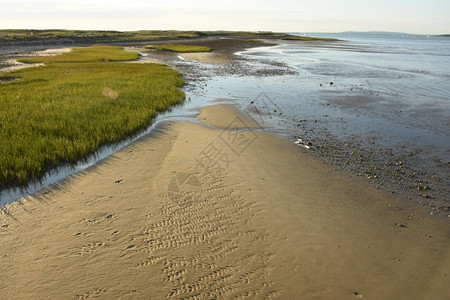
(412, 16)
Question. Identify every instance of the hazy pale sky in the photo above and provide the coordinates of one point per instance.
(413, 16)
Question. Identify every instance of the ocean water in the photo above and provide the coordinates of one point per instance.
(391, 85)
(377, 106)
(400, 79)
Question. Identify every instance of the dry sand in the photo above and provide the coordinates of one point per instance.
(197, 212)
(143, 57)
(15, 65)
(207, 57)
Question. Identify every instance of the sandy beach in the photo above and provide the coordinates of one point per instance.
(220, 209)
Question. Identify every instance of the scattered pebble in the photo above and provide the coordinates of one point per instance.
(358, 295)
(401, 225)
(306, 145)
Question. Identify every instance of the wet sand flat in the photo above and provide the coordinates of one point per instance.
(219, 211)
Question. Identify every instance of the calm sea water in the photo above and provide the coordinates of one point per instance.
(392, 85)
(404, 79)
(369, 102)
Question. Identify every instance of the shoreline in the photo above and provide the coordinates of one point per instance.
(351, 155)
(226, 48)
(262, 220)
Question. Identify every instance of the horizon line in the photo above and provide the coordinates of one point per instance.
(287, 32)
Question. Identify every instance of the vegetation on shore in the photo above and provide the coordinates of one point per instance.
(96, 53)
(179, 48)
(77, 102)
(97, 36)
(308, 39)
(92, 35)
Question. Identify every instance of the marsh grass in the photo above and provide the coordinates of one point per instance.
(96, 53)
(179, 48)
(62, 112)
(308, 38)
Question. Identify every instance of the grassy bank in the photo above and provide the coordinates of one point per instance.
(99, 36)
(97, 53)
(92, 35)
(77, 102)
(179, 48)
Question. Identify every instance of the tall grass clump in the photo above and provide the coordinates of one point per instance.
(62, 111)
(96, 53)
(179, 48)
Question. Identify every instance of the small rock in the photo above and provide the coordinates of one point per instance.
(401, 225)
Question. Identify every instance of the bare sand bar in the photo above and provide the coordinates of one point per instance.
(219, 211)
(207, 57)
(15, 65)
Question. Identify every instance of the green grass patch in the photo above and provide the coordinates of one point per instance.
(179, 48)
(61, 112)
(308, 38)
(96, 53)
